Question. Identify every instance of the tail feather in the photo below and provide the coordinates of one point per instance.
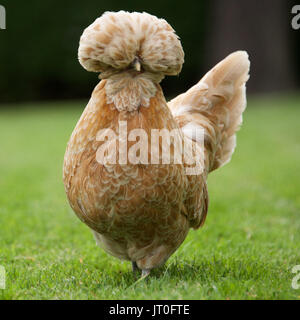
(216, 103)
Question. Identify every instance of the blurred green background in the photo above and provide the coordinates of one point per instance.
(38, 50)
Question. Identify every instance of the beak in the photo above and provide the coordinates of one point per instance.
(136, 64)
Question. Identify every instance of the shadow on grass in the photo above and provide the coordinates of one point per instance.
(205, 271)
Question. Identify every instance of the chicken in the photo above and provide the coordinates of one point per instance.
(141, 210)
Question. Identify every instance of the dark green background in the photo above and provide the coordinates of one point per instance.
(38, 50)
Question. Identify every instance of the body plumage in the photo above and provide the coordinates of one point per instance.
(143, 212)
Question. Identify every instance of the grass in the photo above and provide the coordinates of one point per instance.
(246, 250)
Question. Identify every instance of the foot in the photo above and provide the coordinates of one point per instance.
(145, 273)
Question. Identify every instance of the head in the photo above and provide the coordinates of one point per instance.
(119, 41)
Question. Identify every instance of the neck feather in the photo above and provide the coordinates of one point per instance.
(128, 90)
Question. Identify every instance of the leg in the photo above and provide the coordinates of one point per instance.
(134, 267)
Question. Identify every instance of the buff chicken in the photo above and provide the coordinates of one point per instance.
(129, 187)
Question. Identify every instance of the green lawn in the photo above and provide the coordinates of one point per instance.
(246, 250)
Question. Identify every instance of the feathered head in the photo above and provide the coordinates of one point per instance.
(119, 40)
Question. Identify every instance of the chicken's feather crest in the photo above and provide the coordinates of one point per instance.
(112, 42)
